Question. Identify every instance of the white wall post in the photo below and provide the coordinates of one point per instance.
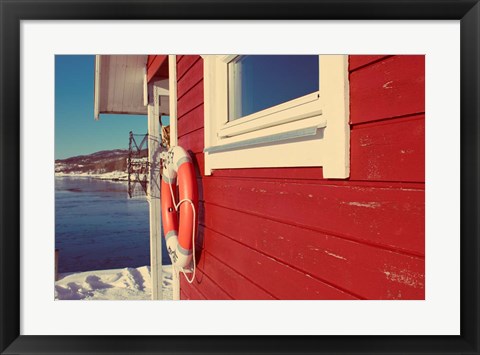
(172, 77)
(154, 197)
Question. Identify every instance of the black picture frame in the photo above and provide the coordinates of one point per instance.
(12, 12)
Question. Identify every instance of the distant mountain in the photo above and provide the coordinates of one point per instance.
(105, 161)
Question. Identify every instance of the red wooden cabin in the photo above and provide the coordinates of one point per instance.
(343, 220)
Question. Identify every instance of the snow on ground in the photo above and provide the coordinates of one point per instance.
(116, 284)
(113, 175)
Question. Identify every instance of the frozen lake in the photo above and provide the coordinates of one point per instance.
(98, 227)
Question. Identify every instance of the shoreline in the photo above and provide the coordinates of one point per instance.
(115, 176)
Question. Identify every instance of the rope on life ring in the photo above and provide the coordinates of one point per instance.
(180, 238)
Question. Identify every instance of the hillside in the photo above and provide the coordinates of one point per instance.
(109, 164)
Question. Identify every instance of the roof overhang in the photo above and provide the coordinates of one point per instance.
(120, 84)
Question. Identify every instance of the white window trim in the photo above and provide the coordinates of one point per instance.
(311, 131)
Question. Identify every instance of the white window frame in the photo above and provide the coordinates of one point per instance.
(310, 131)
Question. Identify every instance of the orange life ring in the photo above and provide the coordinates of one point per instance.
(178, 165)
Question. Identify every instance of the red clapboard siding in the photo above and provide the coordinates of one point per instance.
(191, 293)
(195, 75)
(290, 234)
(370, 272)
(184, 65)
(156, 66)
(392, 218)
(278, 279)
(199, 163)
(268, 173)
(357, 61)
(388, 88)
(193, 141)
(192, 99)
(308, 175)
(205, 286)
(390, 151)
(150, 59)
(228, 279)
(191, 121)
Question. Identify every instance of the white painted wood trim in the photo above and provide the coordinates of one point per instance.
(145, 86)
(336, 104)
(275, 119)
(156, 269)
(329, 149)
(162, 102)
(176, 283)
(172, 77)
(97, 88)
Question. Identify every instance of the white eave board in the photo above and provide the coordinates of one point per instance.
(119, 84)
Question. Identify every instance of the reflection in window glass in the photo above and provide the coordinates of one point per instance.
(257, 82)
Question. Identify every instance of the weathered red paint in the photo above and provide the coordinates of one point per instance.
(192, 141)
(389, 88)
(390, 218)
(277, 278)
(357, 61)
(185, 63)
(206, 286)
(191, 121)
(157, 67)
(191, 100)
(187, 82)
(337, 260)
(238, 286)
(389, 150)
(287, 233)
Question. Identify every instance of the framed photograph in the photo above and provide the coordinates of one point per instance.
(239, 177)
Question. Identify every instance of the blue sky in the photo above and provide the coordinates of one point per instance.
(76, 131)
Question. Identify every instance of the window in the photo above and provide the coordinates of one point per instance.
(277, 111)
(258, 82)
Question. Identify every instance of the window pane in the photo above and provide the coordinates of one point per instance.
(257, 82)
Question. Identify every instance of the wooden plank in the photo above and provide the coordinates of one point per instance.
(179, 58)
(158, 67)
(150, 59)
(127, 93)
(116, 74)
(391, 151)
(391, 218)
(357, 61)
(278, 279)
(389, 88)
(192, 99)
(120, 81)
(190, 122)
(106, 92)
(364, 270)
(228, 279)
(193, 142)
(185, 63)
(195, 75)
(155, 208)
(203, 285)
(304, 178)
(190, 291)
(137, 90)
(272, 173)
